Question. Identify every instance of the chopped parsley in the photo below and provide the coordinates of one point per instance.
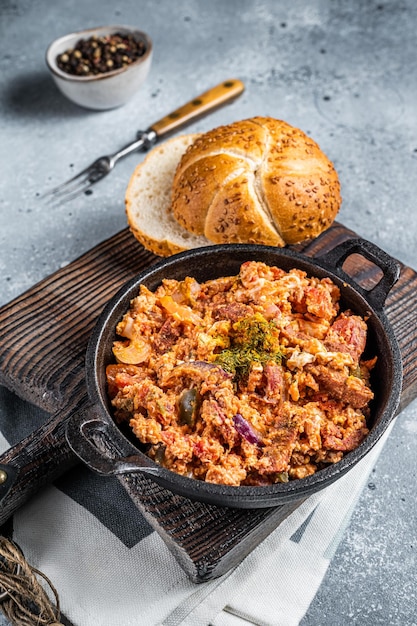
(252, 340)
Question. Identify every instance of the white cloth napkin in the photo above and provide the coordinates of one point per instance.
(102, 581)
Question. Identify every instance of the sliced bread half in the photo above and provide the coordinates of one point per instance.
(148, 201)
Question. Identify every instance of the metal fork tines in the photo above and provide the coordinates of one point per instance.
(81, 182)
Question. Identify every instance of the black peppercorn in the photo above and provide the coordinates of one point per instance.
(98, 55)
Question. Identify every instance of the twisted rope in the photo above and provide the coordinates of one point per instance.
(25, 602)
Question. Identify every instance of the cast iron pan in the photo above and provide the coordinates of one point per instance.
(99, 442)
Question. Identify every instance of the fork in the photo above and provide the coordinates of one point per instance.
(207, 102)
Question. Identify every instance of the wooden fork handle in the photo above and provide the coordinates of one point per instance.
(201, 105)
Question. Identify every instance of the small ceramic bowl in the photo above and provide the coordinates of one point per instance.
(105, 90)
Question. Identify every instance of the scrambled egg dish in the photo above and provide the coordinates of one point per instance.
(250, 379)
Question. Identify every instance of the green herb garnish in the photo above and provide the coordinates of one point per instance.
(252, 340)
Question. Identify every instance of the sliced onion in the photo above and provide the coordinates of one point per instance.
(246, 430)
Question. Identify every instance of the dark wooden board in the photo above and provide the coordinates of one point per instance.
(43, 336)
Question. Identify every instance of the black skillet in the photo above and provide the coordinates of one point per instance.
(100, 443)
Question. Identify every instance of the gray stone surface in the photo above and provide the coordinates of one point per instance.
(345, 72)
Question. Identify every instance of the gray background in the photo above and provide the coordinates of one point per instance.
(343, 71)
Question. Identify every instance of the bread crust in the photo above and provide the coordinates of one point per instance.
(258, 181)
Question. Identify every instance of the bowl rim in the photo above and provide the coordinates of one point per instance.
(50, 57)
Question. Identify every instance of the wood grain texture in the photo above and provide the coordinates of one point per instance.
(43, 337)
(44, 332)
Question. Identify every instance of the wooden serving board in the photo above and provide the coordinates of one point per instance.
(43, 337)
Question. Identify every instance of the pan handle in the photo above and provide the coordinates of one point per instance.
(390, 267)
(53, 449)
(90, 438)
(37, 460)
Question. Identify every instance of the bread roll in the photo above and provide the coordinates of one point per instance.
(148, 201)
(258, 180)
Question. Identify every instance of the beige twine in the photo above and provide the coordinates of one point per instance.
(26, 603)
